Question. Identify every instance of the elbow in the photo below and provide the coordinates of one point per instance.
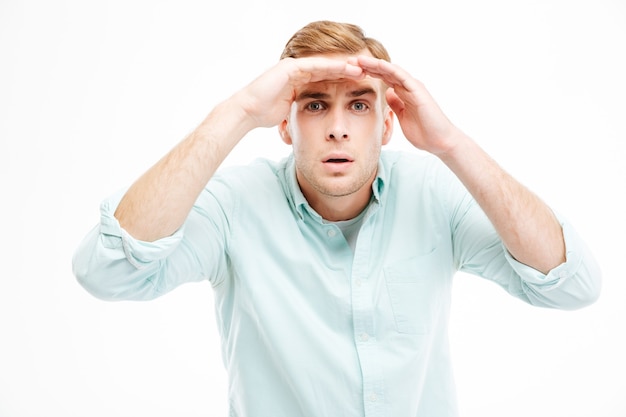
(574, 293)
(97, 291)
(589, 286)
(112, 279)
(110, 286)
(101, 267)
(578, 303)
(590, 293)
(93, 281)
(89, 266)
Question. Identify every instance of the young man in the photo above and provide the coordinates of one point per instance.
(332, 269)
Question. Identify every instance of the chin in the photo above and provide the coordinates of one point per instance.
(340, 190)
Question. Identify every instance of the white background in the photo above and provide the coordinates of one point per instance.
(93, 92)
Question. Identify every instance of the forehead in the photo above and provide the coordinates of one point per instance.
(341, 87)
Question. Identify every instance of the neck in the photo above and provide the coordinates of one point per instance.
(336, 209)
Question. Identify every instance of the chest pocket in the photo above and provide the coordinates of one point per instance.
(412, 286)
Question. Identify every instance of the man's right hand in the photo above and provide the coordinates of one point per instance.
(267, 100)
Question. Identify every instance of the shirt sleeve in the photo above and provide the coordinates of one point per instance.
(478, 250)
(112, 265)
(573, 284)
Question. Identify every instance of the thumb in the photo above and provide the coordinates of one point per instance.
(396, 104)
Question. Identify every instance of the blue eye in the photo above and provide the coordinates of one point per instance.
(359, 106)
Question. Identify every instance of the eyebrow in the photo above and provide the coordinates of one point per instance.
(362, 92)
(317, 95)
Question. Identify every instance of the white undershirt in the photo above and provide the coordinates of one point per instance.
(350, 228)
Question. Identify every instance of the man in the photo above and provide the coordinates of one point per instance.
(332, 269)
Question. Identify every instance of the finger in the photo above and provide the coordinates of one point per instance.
(318, 69)
(394, 102)
(391, 74)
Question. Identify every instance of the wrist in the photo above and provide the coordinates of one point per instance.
(457, 146)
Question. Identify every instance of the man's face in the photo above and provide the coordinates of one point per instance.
(337, 129)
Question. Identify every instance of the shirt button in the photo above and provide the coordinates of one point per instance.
(331, 232)
(358, 282)
(364, 337)
(373, 397)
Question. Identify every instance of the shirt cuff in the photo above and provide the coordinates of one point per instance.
(139, 253)
(559, 274)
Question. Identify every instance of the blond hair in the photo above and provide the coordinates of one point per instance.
(326, 37)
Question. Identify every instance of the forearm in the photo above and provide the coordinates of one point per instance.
(157, 204)
(526, 225)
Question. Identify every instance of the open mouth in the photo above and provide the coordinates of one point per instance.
(337, 160)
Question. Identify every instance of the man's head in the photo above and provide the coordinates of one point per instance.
(337, 127)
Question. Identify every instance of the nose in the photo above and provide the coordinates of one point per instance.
(337, 127)
(339, 136)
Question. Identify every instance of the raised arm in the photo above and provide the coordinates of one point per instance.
(158, 203)
(526, 225)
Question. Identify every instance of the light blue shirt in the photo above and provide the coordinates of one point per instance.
(311, 327)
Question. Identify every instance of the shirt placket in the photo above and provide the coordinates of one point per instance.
(365, 336)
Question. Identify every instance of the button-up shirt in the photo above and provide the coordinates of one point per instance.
(311, 326)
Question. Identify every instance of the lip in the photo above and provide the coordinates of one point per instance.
(337, 158)
(337, 163)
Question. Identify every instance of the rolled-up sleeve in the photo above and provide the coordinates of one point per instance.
(139, 253)
(112, 265)
(478, 250)
(574, 284)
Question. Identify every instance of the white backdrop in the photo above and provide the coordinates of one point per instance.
(93, 92)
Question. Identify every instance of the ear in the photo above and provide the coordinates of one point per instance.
(388, 125)
(284, 132)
